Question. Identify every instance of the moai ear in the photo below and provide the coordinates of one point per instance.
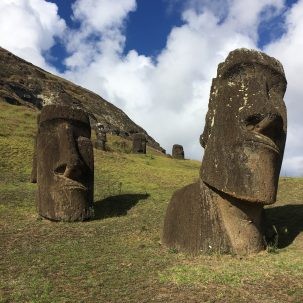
(210, 114)
(33, 177)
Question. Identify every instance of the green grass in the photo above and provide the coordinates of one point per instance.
(118, 256)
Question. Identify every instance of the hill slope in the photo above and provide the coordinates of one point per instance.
(23, 83)
(118, 257)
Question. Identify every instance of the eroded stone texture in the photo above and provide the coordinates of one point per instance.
(101, 137)
(139, 143)
(178, 152)
(65, 164)
(244, 139)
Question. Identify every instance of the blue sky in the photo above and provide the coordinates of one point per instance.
(149, 26)
(146, 31)
(155, 59)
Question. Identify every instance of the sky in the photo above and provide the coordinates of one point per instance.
(155, 59)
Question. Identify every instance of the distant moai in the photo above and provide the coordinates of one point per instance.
(101, 137)
(63, 166)
(244, 139)
(178, 152)
(139, 143)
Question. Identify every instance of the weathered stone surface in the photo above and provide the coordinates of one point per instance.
(178, 152)
(245, 128)
(22, 83)
(101, 137)
(139, 143)
(163, 151)
(201, 219)
(244, 139)
(65, 164)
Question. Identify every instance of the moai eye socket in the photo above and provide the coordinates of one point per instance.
(60, 169)
(252, 120)
(269, 125)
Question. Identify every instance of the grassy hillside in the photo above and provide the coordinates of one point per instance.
(24, 83)
(118, 257)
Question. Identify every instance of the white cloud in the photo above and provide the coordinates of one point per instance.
(29, 27)
(101, 30)
(102, 15)
(167, 95)
(246, 14)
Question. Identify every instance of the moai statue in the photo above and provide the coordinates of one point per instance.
(244, 139)
(178, 152)
(101, 137)
(64, 164)
(139, 143)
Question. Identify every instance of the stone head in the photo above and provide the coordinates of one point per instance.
(177, 151)
(101, 137)
(65, 164)
(245, 128)
(139, 143)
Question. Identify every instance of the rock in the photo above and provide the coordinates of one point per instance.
(64, 164)
(101, 137)
(178, 152)
(139, 143)
(244, 139)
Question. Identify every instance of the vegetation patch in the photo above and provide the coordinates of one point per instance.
(118, 256)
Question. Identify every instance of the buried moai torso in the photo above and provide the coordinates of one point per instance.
(244, 138)
(139, 143)
(101, 137)
(178, 152)
(65, 164)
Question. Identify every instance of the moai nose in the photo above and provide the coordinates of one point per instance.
(70, 164)
(266, 122)
(270, 125)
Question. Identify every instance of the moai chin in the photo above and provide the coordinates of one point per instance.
(178, 152)
(244, 139)
(64, 164)
(139, 143)
(101, 137)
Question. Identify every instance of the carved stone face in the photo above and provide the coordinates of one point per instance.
(139, 143)
(245, 130)
(65, 164)
(101, 137)
(177, 151)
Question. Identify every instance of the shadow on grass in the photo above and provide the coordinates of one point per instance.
(116, 206)
(288, 222)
